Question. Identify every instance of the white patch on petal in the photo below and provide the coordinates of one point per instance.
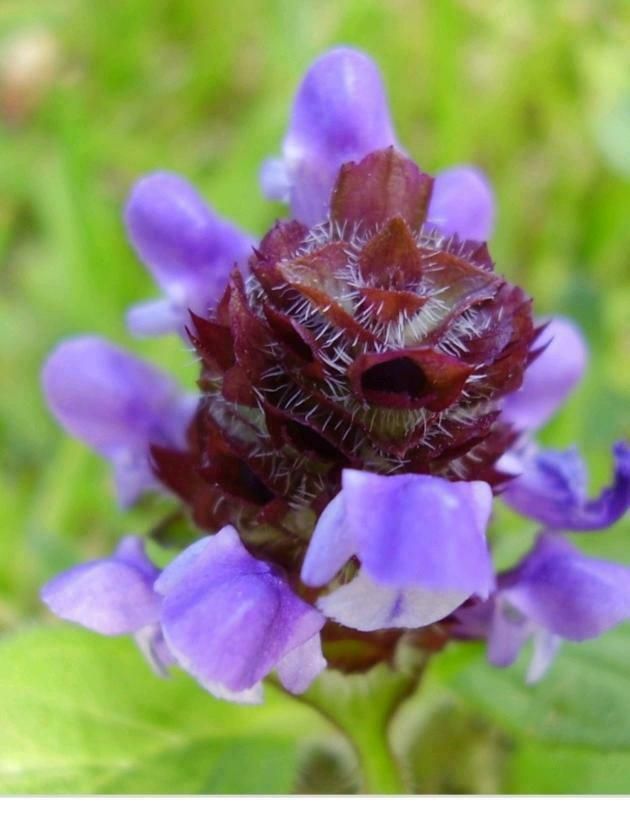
(367, 606)
(511, 462)
(301, 666)
(250, 696)
(546, 646)
(482, 503)
(154, 649)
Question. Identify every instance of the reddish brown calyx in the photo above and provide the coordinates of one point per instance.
(383, 185)
(367, 341)
(409, 378)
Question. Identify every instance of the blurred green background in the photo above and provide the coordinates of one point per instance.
(94, 94)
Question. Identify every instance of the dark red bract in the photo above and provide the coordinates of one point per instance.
(367, 341)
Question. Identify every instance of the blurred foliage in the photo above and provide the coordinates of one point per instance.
(569, 734)
(92, 95)
(102, 726)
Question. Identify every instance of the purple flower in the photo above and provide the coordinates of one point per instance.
(114, 596)
(462, 203)
(117, 405)
(550, 379)
(552, 489)
(551, 486)
(340, 114)
(110, 596)
(188, 249)
(229, 619)
(225, 617)
(555, 593)
(421, 542)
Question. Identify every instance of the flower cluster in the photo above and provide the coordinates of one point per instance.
(368, 385)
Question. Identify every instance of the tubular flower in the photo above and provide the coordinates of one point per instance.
(368, 382)
(554, 594)
(114, 596)
(188, 249)
(118, 405)
(377, 519)
(229, 619)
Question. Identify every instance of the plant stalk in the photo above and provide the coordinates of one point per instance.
(361, 707)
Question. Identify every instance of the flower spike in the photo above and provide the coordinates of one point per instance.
(368, 382)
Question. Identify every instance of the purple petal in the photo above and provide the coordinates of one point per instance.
(473, 619)
(300, 667)
(187, 248)
(331, 545)
(117, 405)
(368, 606)
(508, 631)
(566, 593)
(552, 490)
(462, 203)
(228, 618)
(155, 317)
(420, 531)
(550, 378)
(274, 180)
(340, 114)
(111, 596)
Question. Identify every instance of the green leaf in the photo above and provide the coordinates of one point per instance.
(551, 770)
(578, 715)
(82, 714)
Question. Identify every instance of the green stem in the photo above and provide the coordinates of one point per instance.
(362, 706)
(379, 767)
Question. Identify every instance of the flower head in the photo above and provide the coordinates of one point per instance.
(364, 342)
(368, 382)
